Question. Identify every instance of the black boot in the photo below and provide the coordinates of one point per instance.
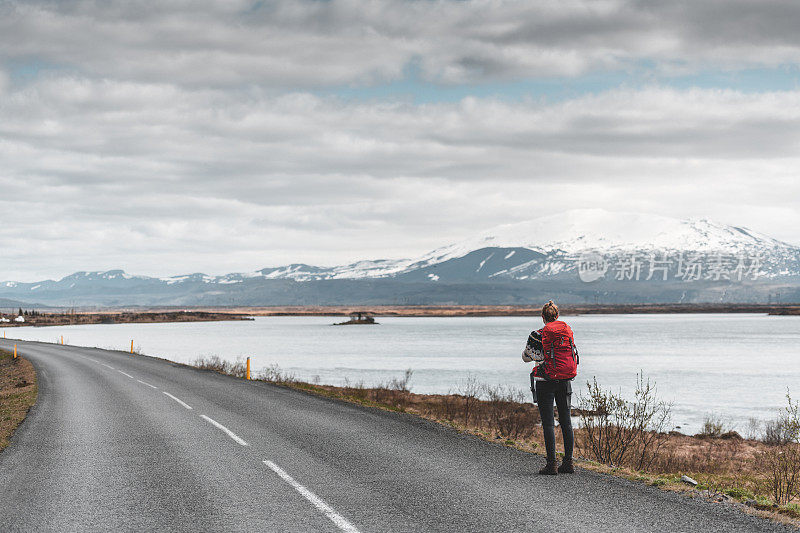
(566, 467)
(549, 469)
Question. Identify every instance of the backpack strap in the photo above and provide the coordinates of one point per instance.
(575, 354)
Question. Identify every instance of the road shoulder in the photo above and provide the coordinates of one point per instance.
(18, 392)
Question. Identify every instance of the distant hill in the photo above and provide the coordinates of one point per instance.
(581, 256)
(14, 305)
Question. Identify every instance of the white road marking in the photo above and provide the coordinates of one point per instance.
(109, 366)
(124, 374)
(340, 521)
(144, 383)
(186, 405)
(230, 433)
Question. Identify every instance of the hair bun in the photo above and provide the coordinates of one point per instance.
(549, 311)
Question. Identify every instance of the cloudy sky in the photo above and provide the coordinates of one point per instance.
(173, 137)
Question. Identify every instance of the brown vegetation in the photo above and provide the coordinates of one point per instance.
(38, 318)
(17, 393)
(509, 310)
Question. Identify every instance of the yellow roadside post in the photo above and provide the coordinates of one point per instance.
(248, 368)
(15, 351)
(131, 345)
(62, 340)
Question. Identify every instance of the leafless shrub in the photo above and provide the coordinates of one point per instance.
(786, 426)
(507, 414)
(274, 374)
(449, 407)
(382, 394)
(782, 460)
(782, 465)
(755, 429)
(395, 392)
(470, 391)
(236, 368)
(623, 433)
(401, 384)
(713, 426)
(792, 414)
(210, 362)
(776, 433)
(357, 390)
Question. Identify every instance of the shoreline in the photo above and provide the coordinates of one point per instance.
(421, 311)
(45, 319)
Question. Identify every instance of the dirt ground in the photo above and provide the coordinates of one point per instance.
(17, 393)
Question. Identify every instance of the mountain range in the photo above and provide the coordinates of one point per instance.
(580, 256)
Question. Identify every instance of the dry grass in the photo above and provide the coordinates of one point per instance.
(17, 393)
(497, 310)
(64, 319)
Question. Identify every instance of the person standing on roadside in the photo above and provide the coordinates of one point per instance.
(553, 349)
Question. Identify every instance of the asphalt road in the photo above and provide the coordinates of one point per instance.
(117, 442)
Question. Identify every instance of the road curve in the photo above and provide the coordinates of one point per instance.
(117, 442)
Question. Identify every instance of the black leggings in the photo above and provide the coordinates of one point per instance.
(561, 392)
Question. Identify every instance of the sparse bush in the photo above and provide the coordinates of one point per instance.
(755, 429)
(786, 427)
(238, 369)
(776, 433)
(357, 390)
(508, 416)
(211, 362)
(469, 390)
(448, 407)
(782, 465)
(395, 392)
(782, 461)
(622, 433)
(383, 394)
(401, 384)
(274, 374)
(713, 426)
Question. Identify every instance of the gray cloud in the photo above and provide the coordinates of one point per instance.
(166, 138)
(161, 179)
(343, 42)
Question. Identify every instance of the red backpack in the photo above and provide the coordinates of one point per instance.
(560, 354)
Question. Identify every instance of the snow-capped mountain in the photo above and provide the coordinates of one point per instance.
(582, 255)
(550, 246)
(579, 230)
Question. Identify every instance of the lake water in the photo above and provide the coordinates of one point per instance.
(737, 366)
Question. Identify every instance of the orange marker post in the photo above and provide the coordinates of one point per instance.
(131, 345)
(15, 351)
(248, 368)
(62, 340)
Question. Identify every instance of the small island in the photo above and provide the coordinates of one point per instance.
(358, 317)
